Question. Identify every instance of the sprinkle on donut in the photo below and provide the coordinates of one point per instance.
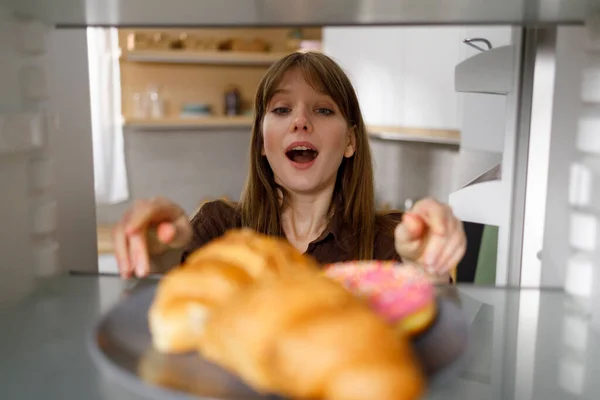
(395, 291)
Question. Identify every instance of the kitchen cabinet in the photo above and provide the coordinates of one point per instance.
(428, 59)
(404, 76)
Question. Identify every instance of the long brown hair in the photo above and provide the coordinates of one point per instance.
(353, 194)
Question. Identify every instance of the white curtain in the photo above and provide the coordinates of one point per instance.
(110, 173)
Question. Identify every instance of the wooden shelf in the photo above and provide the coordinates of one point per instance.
(392, 133)
(203, 57)
(190, 123)
(408, 134)
(105, 243)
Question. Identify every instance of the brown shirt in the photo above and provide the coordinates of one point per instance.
(335, 244)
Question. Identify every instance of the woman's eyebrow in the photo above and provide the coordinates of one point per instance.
(280, 91)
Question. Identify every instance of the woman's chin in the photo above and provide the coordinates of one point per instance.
(307, 188)
(301, 185)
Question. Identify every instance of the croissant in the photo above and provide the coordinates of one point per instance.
(257, 254)
(304, 336)
(211, 275)
(257, 307)
(184, 299)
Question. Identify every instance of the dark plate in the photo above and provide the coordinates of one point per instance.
(121, 347)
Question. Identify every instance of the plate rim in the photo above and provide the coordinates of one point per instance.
(124, 377)
(132, 382)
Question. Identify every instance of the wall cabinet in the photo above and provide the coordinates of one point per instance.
(405, 75)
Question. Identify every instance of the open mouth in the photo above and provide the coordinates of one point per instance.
(302, 154)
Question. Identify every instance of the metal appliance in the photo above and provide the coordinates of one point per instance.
(549, 170)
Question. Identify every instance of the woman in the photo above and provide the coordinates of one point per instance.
(310, 180)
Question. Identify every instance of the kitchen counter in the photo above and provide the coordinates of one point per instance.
(524, 344)
(105, 244)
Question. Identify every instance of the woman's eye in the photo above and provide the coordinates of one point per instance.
(324, 111)
(281, 110)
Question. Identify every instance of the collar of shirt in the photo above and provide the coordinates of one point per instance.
(340, 232)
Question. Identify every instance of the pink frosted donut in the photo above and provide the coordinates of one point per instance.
(402, 294)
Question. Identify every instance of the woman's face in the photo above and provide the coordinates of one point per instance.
(305, 136)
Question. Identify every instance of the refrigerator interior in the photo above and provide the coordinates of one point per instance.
(46, 169)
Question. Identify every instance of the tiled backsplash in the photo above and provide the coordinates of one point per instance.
(408, 170)
(187, 167)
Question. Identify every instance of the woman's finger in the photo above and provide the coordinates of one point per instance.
(141, 214)
(451, 221)
(453, 250)
(433, 250)
(408, 236)
(138, 251)
(165, 232)
(121, 249)
(153, 211)
(437, 251)
(168, 235)
(434, 213)
(458, 255)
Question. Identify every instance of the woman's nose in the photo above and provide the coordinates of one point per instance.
(301, 122)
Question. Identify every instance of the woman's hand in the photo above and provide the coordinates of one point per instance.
(432, 236)
(150, 227)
